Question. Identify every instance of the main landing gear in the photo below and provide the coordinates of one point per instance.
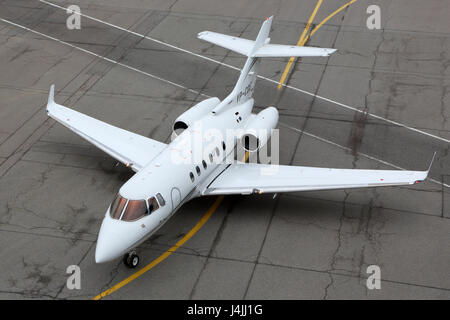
(131, 260)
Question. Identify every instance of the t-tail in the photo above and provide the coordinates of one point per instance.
(255, 50)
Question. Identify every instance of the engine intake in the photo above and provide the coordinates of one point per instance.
(187, 118)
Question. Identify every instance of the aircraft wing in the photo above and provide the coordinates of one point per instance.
(129, 148)
(246, 178)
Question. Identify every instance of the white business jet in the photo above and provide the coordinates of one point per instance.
(162, 182)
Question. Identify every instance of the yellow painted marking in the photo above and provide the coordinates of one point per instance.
(304, 39)
(166, 254)
(301, 41)
(328, 18)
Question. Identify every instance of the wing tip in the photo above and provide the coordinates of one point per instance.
(51, 94)
(202, 34)
(424, 174)
(329, 52)
(431, 162)
(51, 98)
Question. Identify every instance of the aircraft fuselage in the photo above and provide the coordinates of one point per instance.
(192, 160)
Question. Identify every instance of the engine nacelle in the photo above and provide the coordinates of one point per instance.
(257, 132)
(187, 118)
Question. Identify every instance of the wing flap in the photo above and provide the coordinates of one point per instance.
(259, 178)
(127, 147)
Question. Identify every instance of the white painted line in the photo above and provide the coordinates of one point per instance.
(359, 153)
(104, 58)
(259, 76)
(196, 92)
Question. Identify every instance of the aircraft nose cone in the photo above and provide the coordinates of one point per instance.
(104, 250)
(101, 255)
(112, 241)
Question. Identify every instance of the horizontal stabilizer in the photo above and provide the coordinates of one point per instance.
(236, 44)
(279, 50)
(245, 47)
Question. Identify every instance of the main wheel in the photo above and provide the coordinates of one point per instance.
(131, 260)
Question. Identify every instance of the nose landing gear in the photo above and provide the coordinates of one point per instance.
(131, 260)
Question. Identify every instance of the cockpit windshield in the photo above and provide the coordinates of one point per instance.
(130, 210)
(117, 207)
(135, 209)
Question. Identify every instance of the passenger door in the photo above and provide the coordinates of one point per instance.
(175, 197)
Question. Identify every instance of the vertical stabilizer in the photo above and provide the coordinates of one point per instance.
(245, 85)
(263, 36)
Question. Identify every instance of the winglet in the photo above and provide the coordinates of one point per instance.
(431, 163)
(263, 35)
(51, 95)
(424, 174)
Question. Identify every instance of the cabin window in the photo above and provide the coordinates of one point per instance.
(192, 176)
(204, 164)
(197, 168)
(161, 200)
(217, 151)
(153, 204)
(223, 145)
(117, 207)
(211, 159)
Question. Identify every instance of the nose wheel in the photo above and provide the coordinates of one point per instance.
(131, 260)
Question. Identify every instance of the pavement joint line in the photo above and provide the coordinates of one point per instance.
(343, 105)
(337, 273)
(194, 91)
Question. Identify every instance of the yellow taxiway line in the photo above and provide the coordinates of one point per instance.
(301, 41)
(328, 18)
(304, 39)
